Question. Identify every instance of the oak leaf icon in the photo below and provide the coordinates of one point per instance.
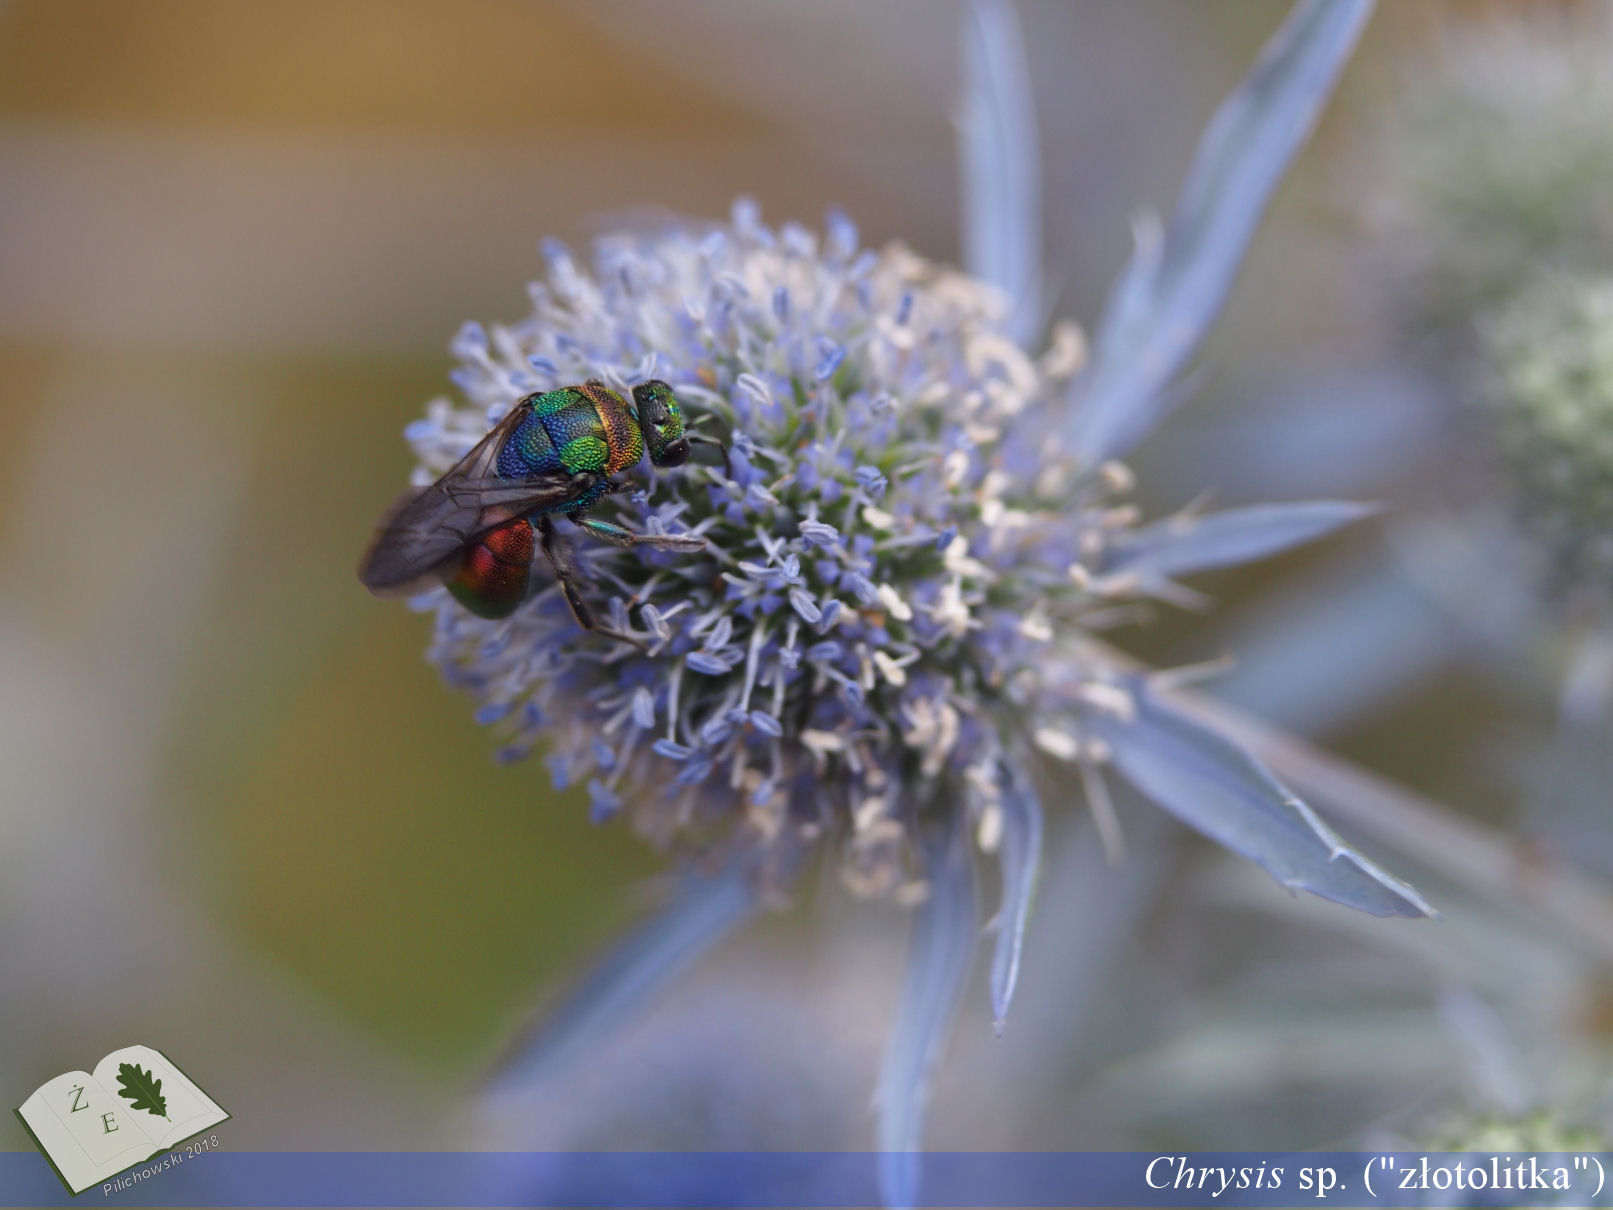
(142, 1089)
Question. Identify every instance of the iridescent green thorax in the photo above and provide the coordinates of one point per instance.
(576, 429)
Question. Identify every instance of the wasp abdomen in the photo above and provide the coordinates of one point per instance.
(491, 580)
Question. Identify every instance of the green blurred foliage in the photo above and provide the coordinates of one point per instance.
(357, 828)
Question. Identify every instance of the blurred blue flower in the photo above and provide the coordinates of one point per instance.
(890, 646)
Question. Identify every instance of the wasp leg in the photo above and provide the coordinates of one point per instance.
(727, 462)
(558, 553)
(617, 536)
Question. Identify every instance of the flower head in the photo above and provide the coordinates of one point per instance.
(1498, 187)
(1551, 352)
(909, 548)
(899, 547)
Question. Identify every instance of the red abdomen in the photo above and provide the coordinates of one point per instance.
(493, 572)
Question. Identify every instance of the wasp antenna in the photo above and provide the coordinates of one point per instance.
(727, 462)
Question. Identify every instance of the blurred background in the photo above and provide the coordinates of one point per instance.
(241, 820)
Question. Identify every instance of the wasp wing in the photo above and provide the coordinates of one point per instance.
(427, 527)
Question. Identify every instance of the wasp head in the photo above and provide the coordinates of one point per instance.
(662, 421)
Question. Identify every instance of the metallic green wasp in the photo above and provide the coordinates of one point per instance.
(477, 529)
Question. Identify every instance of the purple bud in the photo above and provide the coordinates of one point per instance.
(491, 713)
(603, 802)
(819, 534)
(696, 770)
(469, 341)
(704, 661)
(830, 355)
(801, 601)
(643, 708)
(671, 749)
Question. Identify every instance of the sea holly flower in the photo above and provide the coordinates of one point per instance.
(1551, 353)
(888, 647)
(1496, 197)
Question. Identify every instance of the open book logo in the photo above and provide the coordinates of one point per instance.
(135, 1106)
